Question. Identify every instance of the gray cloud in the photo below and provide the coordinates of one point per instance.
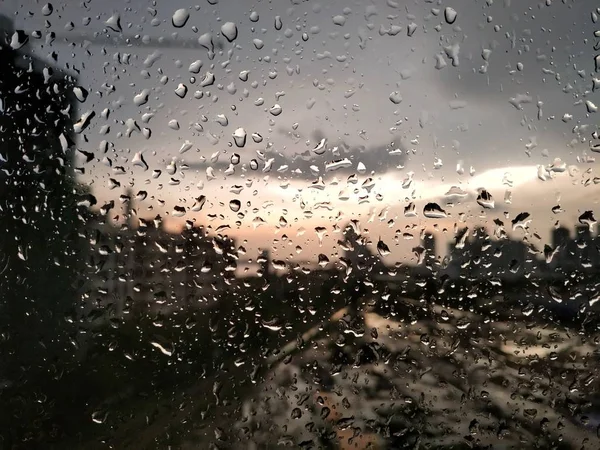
(337, 79)
(377, 158)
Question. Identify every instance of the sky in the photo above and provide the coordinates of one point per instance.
(416, 107)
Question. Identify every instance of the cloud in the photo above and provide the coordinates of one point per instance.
(333, 158)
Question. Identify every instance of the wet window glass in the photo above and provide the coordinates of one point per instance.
(331, 224)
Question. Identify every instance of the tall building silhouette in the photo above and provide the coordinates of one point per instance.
(560, 236)
(40, 252)
(38, 213)
(430, 257)
(584, 246)
(264, 264)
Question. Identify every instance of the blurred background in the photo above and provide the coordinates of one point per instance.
(361, 224)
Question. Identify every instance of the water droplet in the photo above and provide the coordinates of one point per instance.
(199, 203)
(210, 173)
(339, 20)
(275, 110)
(235, 205)
(99, 416)
(591, 107)
(114, 22)
(185, 147)
(80, 93)
(141, 98)
(258, 43)
(323, 260)
(521, 221)
(485, 199)
(273, 324)
(83, 121)
(254, 16)
(463, 323)
(450, 15)
(164, 348)
(452, 52)
(433, 211)
(230, 31)
(338, 164)
(195, 66)
(456, 192)
(208, 80)
(382, 248)
(519, 100)
(180, 18)
(172, 168)
(543, 173)
(411, 28)
(222, 120)
(206, 41)
(256, 137)
(321, 147)
(181, 90)
(587, 218)
(440, 62)
(239, 136)
(18, 40)
(278, 23)
(395, 97)
(558, 166)
(410, 210)
(47, 9)
(138, 160)
(231, 89)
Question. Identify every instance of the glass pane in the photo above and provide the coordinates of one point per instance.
(332, 224)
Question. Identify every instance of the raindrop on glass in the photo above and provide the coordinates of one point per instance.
(433, 211)
(230, 31)
(180, 18)
(239, 136)
(450, 15)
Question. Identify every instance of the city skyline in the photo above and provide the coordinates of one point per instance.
(425, 249)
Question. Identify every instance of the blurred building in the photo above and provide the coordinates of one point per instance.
(476, 256)
(569, 254)
(140, 268)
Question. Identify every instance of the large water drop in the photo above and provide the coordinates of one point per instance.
(180, 18)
